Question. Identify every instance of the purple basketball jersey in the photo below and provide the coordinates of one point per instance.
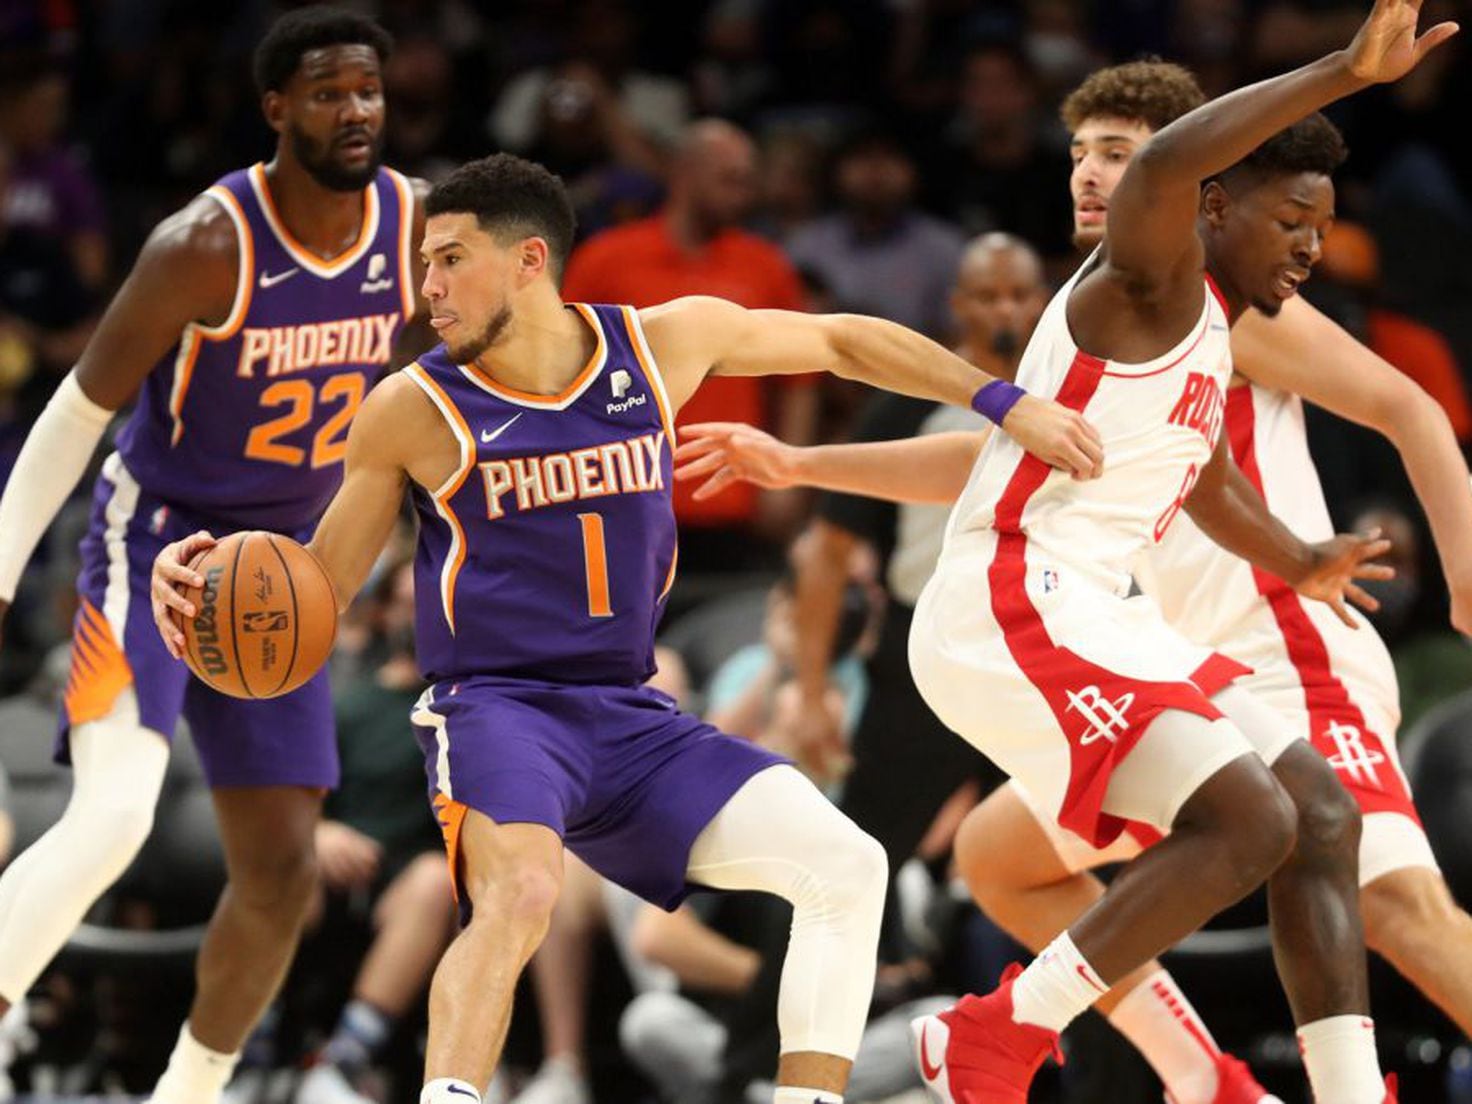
(247, 422)
(549, 553)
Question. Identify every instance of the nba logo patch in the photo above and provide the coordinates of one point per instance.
(159, 520)
(1050, 580)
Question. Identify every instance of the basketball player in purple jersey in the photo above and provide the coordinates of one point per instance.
(537, 446)
(252, 326)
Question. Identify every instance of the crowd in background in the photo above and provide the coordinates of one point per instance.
(813, 155)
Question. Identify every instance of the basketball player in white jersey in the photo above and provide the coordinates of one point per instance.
(1030, 876)
(1096, 671)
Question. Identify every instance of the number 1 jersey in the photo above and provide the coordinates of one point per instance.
(246, 422)
(549, 553)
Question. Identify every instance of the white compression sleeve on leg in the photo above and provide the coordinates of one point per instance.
(118, 771)
(780, 835)
(49, 466)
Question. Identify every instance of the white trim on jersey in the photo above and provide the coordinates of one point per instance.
(121, 506)
(405, 188)
(651, 367)
(426, 717)
(317, 266)
(441, 495)
(245, 275)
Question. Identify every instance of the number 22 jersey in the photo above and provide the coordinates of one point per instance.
(246, 422)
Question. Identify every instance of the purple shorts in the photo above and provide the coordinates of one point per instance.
(285, 741)
(625, 778)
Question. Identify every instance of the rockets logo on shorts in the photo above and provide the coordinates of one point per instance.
(1106, 718)
(1352, 757)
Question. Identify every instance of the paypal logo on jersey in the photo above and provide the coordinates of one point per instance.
(619, 383)
(377, 264)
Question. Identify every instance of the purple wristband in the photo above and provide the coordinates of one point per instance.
(995, 399)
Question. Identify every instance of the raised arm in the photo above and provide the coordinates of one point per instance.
(932, 468)
(185, 273)
(1307, 354)
(698, 336)
(1231, 512)
(1150, 241)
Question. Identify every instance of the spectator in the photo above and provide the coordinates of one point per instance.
(51, 194)
(1003, 170)
(380, 854)
(635, 112)
(695, 246)
(878, 254)
(418, 80)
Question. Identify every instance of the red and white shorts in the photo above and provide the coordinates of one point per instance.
(1057, 680)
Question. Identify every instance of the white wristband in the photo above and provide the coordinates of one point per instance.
(50, 464)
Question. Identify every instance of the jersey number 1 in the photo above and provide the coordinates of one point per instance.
(595, 560)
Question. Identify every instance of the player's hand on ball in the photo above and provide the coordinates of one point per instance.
(171, 573)
(732, 452)
(1338, 563)
(1387, 47)
(1057, 435)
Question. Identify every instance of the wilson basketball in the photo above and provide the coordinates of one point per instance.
(267, 616)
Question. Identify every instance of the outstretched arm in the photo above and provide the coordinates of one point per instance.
(932, 468)
(698, 336)
(1231, 512)
(1152, 212)
(1307, 354)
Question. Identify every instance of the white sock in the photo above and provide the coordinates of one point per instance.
(1056, 987)
(790, 1095)
(1158, 1019)
(448, 1090)
(1339, 1053)
(196, 1074)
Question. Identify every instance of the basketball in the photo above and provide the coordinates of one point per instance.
(267, 616)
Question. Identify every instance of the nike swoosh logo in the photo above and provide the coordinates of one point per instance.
(1084, 973)
(458, 1091)
(487, 436)
(930, 1072)
(267, 280)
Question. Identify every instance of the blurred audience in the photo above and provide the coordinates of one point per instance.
(696, 246)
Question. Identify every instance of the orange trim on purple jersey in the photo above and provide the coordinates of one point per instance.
(568, 393)
(406, 243)
(320, 266)
(447, 490)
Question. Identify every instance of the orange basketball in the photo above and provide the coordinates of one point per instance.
(267, 616)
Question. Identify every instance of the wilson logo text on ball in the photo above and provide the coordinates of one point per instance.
(263, 621)
(206, 627)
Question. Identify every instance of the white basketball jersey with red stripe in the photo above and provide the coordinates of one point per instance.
(1025, 641)
(1159, 422)
(1338, 683)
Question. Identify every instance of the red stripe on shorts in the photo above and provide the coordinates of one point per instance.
(1074, 687)
(1336, 724)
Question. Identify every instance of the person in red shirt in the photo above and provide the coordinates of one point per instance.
(695, 246)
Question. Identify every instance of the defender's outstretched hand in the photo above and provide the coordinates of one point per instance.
(732, 452)
(1387, 46)
(1338, 563)
(171, 573)
(1057, 435)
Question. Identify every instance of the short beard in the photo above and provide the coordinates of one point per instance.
(476, 347)
(317, 160)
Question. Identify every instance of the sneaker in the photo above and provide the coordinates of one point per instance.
(326, 1084)
(975, 1053)
(1235, 1084)
(559, 1081)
